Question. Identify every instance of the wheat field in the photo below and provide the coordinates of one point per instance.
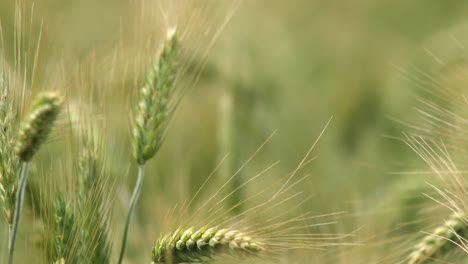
(230, 131)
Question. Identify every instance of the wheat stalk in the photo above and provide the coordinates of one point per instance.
(32, 134)
(152, 116)
(198, 245)
(440, 241)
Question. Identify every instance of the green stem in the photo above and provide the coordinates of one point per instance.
(17, 213)
(133, 201)
(10, 231)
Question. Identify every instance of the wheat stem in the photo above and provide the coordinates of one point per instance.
(18, 206)
(152, 116)
(133, 201)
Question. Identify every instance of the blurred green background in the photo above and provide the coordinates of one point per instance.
(285, 66)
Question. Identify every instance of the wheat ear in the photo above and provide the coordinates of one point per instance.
(9, 166)
(32, 134)
(198, 245)
(153, 108)
(152, 116)
(440, 241)
(93, 236)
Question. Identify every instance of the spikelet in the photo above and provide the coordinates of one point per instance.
(38, 125)
(440, 241)
(153, 108)
(198, 245)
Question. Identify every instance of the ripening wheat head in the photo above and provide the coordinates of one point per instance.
(270, 225)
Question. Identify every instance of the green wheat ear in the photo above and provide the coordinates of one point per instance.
(32, 134)
(152, 116)
(199, 245)
(38, 125)
(9, 166)
(440, 241)
(153, 108)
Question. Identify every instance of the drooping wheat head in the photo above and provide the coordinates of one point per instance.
(38, 125)
(33, 133)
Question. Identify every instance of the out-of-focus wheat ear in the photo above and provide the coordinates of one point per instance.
(64, 221)
(33, 133)
(9, 166)
(200, 245)
(93, 231)
(153, 107)
(38, 125)
(60, 261)
(152, 116)
(443, 239)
